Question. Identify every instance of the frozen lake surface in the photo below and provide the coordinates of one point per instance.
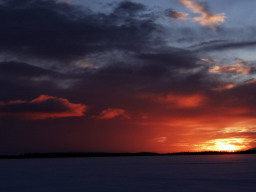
(209, 173)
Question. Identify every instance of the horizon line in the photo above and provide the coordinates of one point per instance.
(116, 154)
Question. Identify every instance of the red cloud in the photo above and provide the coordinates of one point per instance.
(43, 107)
(189, 101)
(180, 101)
(112, 113)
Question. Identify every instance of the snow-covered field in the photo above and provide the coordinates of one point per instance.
(210, 173)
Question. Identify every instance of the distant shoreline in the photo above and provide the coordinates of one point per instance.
(81, 155)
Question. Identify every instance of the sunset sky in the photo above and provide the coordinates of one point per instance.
(127, 76)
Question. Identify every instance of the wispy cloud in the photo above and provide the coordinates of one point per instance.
(250, 81)
(225, 86)
(206, 19)
(238, 68)
(177, 15)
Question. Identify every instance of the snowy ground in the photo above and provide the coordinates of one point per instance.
(213, 173)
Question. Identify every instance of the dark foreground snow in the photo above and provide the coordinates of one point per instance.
(213, 173)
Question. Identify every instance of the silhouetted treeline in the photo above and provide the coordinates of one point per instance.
(70, 154)
(73, 155)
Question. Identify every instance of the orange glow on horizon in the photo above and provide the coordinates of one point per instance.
(225, 130)
(227, 145)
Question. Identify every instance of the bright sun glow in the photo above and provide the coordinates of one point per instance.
(225, 147)
(228, 144)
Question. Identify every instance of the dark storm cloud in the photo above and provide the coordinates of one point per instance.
(146, 69)
(24, 81)
(128, 8)
(176, 59)
(65, 32)
(120, 85)
(156, 82)
(45, 29)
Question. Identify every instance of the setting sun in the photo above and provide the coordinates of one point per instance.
(225, 147)
(228, 145)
